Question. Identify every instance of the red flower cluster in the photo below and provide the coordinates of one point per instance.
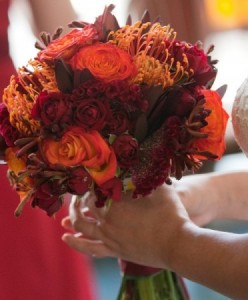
(102, 106)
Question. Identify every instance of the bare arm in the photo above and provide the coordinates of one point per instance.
(49, 14)
(211, 196)
(215, 259)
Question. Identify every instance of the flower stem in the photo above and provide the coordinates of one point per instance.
(160, 286)
(146, 288)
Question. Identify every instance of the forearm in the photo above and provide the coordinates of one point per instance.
(232, 192)
(215, 259)
(50, 14)
(215, 195)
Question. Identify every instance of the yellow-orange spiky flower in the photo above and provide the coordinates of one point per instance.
(149, 45)
(20, 95)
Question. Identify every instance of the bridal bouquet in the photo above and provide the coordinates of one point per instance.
(107, 109)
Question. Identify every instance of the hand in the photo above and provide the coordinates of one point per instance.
(143, 230)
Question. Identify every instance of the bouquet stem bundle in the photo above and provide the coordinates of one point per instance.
(145, 283)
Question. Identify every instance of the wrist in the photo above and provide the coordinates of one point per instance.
(194, 192)
(180, 248)
(172, 248)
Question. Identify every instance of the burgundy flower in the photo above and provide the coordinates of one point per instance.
(116, 88)
(95, 88)
(180, 102)
(10, 133)
(91, 113)
(48, 196)
(172, 127)
(118, 121)
(7, 131)
(110, 189)
(52, 108)
(126, 150)
(198, 61)
(79, 181)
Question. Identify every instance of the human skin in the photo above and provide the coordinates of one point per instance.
(157, 231)
(43, 15)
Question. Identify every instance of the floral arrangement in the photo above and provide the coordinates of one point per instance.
(106, 108)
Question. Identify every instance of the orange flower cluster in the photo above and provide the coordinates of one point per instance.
(105, 105)
(217, 121)
(79, 147)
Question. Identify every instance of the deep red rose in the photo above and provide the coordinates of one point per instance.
(91, 113)
(110, 189)
(126, 150)
(198, 61)
(118, 121)
(48, 196)
(50, 205)
(51, 108)
(204, 72)
(116, 88)
(10, 133)
(79, 181)
(7, 131)
(95, 88)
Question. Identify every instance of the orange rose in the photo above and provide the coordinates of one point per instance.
(217, 121)
(66, 46)
(78, 147)
(104, 61)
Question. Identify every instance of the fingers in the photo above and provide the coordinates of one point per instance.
(82, 222)
(89, 247)
(66, 223)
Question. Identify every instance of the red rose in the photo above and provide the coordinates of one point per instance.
(79, 181)
(51, 108)
(48, 198)
(118, 122)
(126, 150)
(197, 60)
(7, 131)
(10, 134)
(111, 189)
(91, 113)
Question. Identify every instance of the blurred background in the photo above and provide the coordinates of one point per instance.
(223, 23)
